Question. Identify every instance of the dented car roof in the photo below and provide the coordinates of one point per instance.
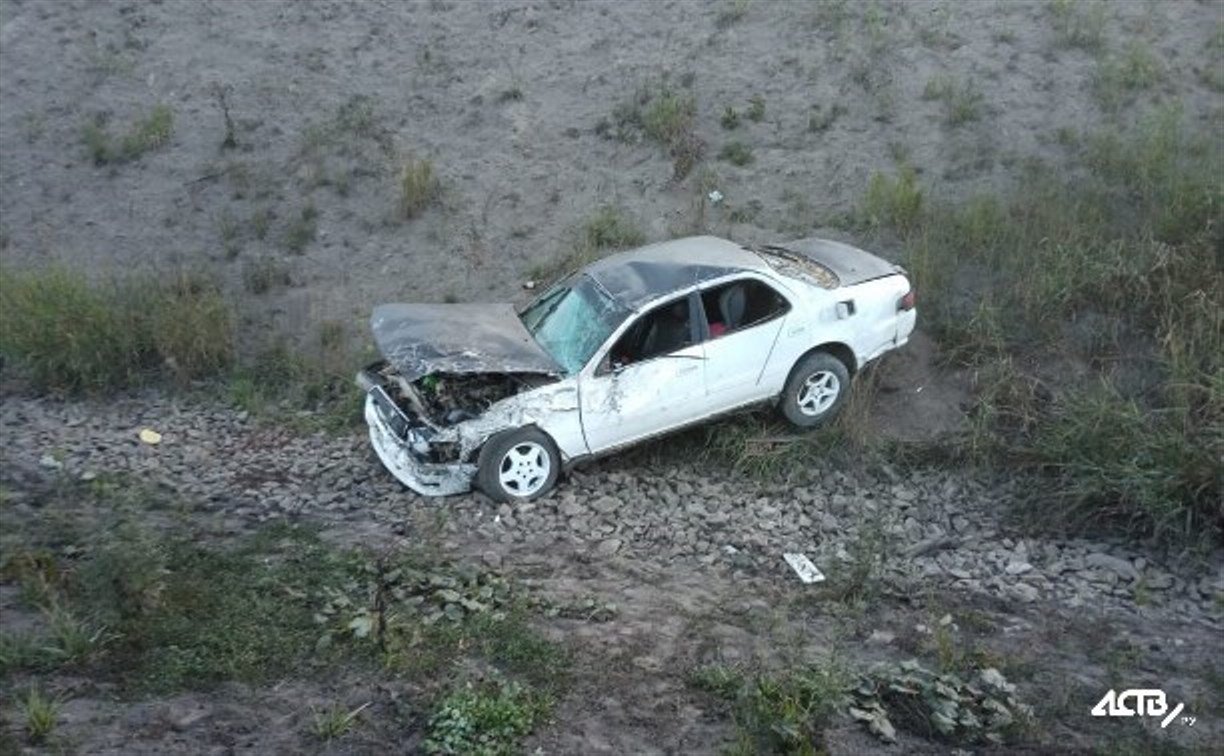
(641, 275)
(419, 339)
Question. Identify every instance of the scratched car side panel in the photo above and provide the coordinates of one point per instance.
(642, 399)
(554, 409)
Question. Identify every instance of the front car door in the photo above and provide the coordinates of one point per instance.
(649, 379)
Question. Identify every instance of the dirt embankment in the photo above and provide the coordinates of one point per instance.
(274, 161)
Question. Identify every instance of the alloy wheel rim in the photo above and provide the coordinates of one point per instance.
(819, 392)
(524, 469)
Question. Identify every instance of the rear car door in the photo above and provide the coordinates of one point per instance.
(743, 319)
(648, 381)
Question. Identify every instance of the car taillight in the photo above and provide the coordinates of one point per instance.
(906, 302)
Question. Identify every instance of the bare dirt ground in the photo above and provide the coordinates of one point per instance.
(506, 100)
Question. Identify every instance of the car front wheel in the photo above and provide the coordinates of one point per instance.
(816, 390)
(518, 465)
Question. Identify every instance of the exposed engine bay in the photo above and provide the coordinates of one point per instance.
(442, 400)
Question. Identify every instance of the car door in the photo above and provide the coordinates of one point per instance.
(647, 381)
(744, 318)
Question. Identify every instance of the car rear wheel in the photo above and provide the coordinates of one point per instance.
(816, 390)
(518, 465)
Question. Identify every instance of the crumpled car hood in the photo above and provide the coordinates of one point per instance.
(419, 339)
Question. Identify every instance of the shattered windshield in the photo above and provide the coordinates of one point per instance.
(572, 320)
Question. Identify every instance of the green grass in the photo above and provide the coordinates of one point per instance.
(786, 712)
(669, 116)
(1128, 246)
(41, 714)
(19, 650)
(72, 639)
(665, 116)
(208, 615)
(736, 153)
(70, 334)
(419, 187)
(1079, 23)
(315, 376)
(334, 721)
(487, 719)
(148, 133)
(756, 109)
(264, 274)
(302, 230)
(730, 119)
(961, 100)
(895, 202)
(1117, 77)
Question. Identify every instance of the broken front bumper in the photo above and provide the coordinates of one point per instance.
(397, 455)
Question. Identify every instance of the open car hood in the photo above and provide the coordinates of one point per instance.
(419, 339)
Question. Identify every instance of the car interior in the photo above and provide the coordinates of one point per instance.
(728, 308)
(740, 304)
(663, 330)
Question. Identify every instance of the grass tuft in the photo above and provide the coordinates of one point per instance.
(962, 102)
(736, 153)
(73, 335)
(489, 719)
(895, 202)
(664, 116)
(335, 722)
(1118, 77)
(146, 134)
(730, 119)
(783, 713)
(756, 109)
(1079, 23)
(419, 187)
(41, 715)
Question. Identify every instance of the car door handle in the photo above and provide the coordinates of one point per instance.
(686, 370)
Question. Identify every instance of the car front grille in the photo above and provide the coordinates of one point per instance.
(389, 413)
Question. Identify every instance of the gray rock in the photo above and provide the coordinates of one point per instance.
(606, 504)
(609, 546)
(1116, 565)
(570, 508)
(1017, 567)
(1024, 592)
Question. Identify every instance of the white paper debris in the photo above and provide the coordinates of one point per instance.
(804, 568)
(715, 197)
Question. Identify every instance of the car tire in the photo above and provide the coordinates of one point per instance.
(816, 390)
(518, 465)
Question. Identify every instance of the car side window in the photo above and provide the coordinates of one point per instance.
(741, 304)
(663, 330)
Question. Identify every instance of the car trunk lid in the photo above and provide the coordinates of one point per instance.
(850, 264)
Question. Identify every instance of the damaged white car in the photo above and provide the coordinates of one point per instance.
(635, 345)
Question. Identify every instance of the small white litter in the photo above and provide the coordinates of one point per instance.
(715, 197)
(804, 568)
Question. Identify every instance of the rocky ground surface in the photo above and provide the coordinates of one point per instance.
(692, 559)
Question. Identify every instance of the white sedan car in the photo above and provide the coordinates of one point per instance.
(635, 345)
